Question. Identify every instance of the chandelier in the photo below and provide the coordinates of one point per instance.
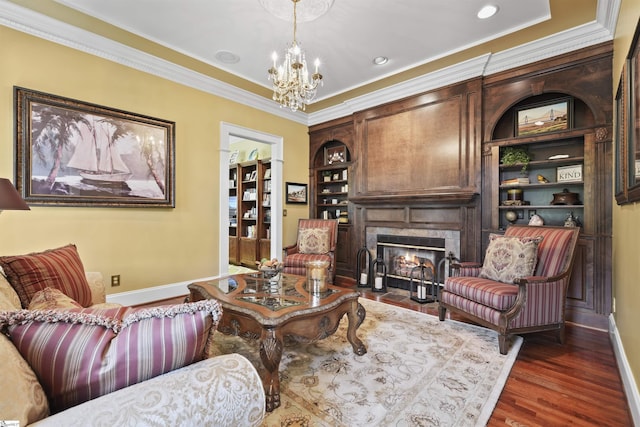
(292, 86)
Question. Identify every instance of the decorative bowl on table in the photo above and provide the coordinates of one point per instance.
(270, 268)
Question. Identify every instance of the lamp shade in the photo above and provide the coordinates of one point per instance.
(10, 198)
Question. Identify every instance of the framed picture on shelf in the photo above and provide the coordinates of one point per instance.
(544, 117)
(296, 193)
(74, 153)
(571, 173)
(253, 176)
(233, 157)
(335, 155)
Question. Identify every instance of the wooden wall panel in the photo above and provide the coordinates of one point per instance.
(386, 215)
(436, 215)
(417, 149)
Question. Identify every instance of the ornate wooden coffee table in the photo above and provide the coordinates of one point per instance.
(280, 312)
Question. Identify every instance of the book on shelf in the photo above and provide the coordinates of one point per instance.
(516, 181)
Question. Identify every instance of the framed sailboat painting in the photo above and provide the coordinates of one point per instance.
(74, 153)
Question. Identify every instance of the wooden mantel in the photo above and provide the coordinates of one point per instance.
(453, 197)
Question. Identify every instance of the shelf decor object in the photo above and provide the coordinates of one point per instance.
(571, 173)
(335, 155)
(544, 117)
(516, 156)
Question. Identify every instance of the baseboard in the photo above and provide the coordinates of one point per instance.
(156, 293)
(628, 381)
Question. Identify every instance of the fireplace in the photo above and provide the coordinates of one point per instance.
(402, 254)
(404, 249)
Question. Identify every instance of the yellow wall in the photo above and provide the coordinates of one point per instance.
(626, 220)
(146, 246)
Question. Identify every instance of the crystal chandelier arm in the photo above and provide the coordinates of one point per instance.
(292, 87)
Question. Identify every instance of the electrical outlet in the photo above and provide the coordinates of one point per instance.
(115, 280)
(284, 212)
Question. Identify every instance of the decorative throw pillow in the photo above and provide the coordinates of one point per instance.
(8, 297)
(313, 241)
(52, 299)
(509, 258)
(59, 268)
(80, 354)
(21, 395)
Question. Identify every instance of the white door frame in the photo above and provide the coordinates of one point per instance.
(227, 132)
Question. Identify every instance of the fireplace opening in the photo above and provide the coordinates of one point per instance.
(401, 254)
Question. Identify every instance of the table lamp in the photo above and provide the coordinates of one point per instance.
(10, 199)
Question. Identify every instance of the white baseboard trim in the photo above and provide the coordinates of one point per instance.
(156, 293)
(628, 381)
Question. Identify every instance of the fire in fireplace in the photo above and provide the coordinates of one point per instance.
(401, 254)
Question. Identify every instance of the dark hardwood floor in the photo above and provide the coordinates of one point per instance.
(575, 384)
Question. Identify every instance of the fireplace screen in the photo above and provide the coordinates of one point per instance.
(401, 254)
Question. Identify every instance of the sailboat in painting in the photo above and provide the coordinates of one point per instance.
(96, 155)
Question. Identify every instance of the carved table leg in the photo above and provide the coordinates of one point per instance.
(356, 316)
(270, 354)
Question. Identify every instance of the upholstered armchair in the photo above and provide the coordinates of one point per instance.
(521, 286)
(316, 241)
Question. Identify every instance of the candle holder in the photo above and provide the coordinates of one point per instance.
(379, 271)
(419, 286)
(317, 277)
(364, 265)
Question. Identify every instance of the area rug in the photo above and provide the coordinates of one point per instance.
(238, 269)
(418, 371)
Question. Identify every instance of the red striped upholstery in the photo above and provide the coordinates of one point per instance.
(295, 262)
(472, 269)
(59, 268)
(497, 295)
(80, 354)
(536, 304)
(553, 253)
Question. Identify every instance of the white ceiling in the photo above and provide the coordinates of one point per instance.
(345, 39)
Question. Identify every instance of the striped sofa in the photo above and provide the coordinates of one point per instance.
(529, 304)
(102, 364)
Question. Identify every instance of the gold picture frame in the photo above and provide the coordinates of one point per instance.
(74, 153)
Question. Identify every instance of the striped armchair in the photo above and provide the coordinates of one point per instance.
(529, 304)
(296, 256)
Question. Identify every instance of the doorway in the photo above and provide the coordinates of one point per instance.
(229, 133)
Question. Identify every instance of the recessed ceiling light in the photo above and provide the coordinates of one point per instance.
(487, 11)
(227, 57)
(380, 60)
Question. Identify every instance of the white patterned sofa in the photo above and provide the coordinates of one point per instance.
(163, 379)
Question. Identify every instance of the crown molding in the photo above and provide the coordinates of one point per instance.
(456, 73)
(42, 26)
(566, 41)
(573, 39)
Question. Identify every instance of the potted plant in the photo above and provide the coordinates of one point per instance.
(516, 156)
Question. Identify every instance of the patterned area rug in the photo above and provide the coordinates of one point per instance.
(418, 371)
(239, 269)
